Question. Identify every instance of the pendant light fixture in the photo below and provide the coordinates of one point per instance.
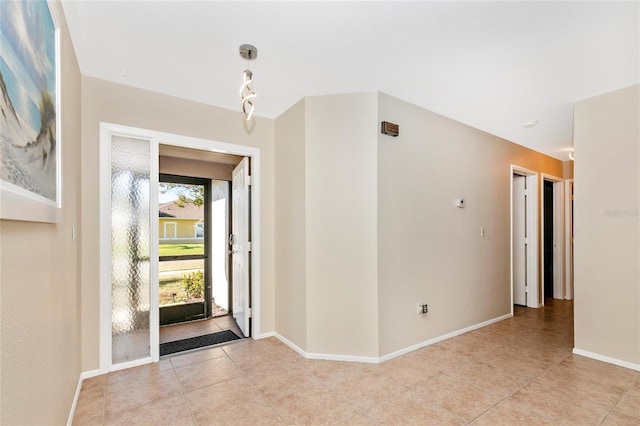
(247, 95)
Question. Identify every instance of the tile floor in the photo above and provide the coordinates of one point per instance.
(517, 371)
(170, 333)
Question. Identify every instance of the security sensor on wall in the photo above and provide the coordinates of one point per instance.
(460, 202)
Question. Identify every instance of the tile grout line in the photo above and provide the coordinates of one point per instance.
(254, 386)
(104, 402)
(620, 399)
(184, 396)
(517, 390)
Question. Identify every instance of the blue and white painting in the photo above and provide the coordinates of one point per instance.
(28, 145)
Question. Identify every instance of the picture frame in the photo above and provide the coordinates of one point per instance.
(31, 126)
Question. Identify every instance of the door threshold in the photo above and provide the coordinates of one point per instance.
(203, 348)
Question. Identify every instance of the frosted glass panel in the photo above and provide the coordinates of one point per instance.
(130, 274)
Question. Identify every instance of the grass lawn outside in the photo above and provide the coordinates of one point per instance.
(169, 288)
(180, 249)
(172, 289)
(172, 272)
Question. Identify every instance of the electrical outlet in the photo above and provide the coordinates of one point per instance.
(423, 308)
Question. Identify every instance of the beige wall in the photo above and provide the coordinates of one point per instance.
(128, 106)
(607, 244)
(430, 251)
(567, 169)
(290, 235)
(380, 228)
(341, 224)
(40, 294)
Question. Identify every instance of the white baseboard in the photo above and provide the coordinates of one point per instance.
(265, 335)
(378, 360)
(289, 343)
(443, 337)
(608, 359)
(84, 375)
(328, 357)
(345, 358)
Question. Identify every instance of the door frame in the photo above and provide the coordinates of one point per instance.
(156, 138)
(558, 235)
(568, 243)
(531, 177)
(206, 183)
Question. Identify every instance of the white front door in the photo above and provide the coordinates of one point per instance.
(519, 241)
(240, 245)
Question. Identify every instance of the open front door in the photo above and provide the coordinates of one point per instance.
(240, 245)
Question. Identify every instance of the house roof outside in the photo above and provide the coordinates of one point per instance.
(189, 211)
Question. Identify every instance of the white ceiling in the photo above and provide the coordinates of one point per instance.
(491, 65)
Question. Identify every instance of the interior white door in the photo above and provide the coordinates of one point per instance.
(240, 245)
(519, 241)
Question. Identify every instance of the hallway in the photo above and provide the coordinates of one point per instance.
(518, 371)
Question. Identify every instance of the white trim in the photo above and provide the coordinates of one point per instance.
(328, 357)
(157, 138)
(104, 242)
(89, 374)
(134, 363)
(533, 265)
(444, 337)
(74, 404)
(607, 359)
(255, 241)
(558, 234)
(106, 356)
(83, 376)
(164, 230)
(381, 359)
(568, 283)
(531, 177)
(154, 248)
(344, 358)
(288, 343)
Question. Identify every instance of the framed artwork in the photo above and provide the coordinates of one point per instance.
(30, 126)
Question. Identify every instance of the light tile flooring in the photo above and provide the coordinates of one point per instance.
(170, 333)
(517, 371)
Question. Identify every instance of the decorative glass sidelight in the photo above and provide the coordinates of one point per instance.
(130, 245)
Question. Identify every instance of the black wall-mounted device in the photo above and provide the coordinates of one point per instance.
(390, 129)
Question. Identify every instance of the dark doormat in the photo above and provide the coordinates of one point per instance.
(197, 342)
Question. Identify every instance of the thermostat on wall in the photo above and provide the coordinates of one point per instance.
(460, 202)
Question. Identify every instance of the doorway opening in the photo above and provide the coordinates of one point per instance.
(547, 238)
(130, 164)
(184, 270)
(195, 279)
(552, 238)
(524, 238)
